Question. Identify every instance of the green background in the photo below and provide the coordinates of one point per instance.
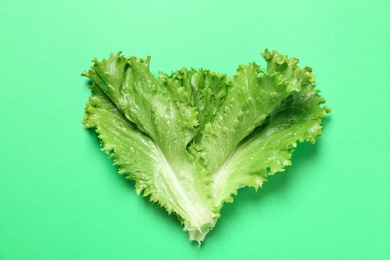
(60, 198)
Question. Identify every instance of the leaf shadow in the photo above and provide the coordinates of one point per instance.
(87, 82)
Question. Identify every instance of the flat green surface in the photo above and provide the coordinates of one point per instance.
(60, 198)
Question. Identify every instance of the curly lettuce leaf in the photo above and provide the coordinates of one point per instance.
(191, 139)
(268, 149)
(146, 133)
(267, 113)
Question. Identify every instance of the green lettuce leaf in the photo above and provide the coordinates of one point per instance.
(191, 139)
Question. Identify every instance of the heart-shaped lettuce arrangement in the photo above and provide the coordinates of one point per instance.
(192, 138)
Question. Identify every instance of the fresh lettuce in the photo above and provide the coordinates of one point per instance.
(192, 138)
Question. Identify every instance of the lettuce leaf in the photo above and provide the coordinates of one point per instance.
(191, 139)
